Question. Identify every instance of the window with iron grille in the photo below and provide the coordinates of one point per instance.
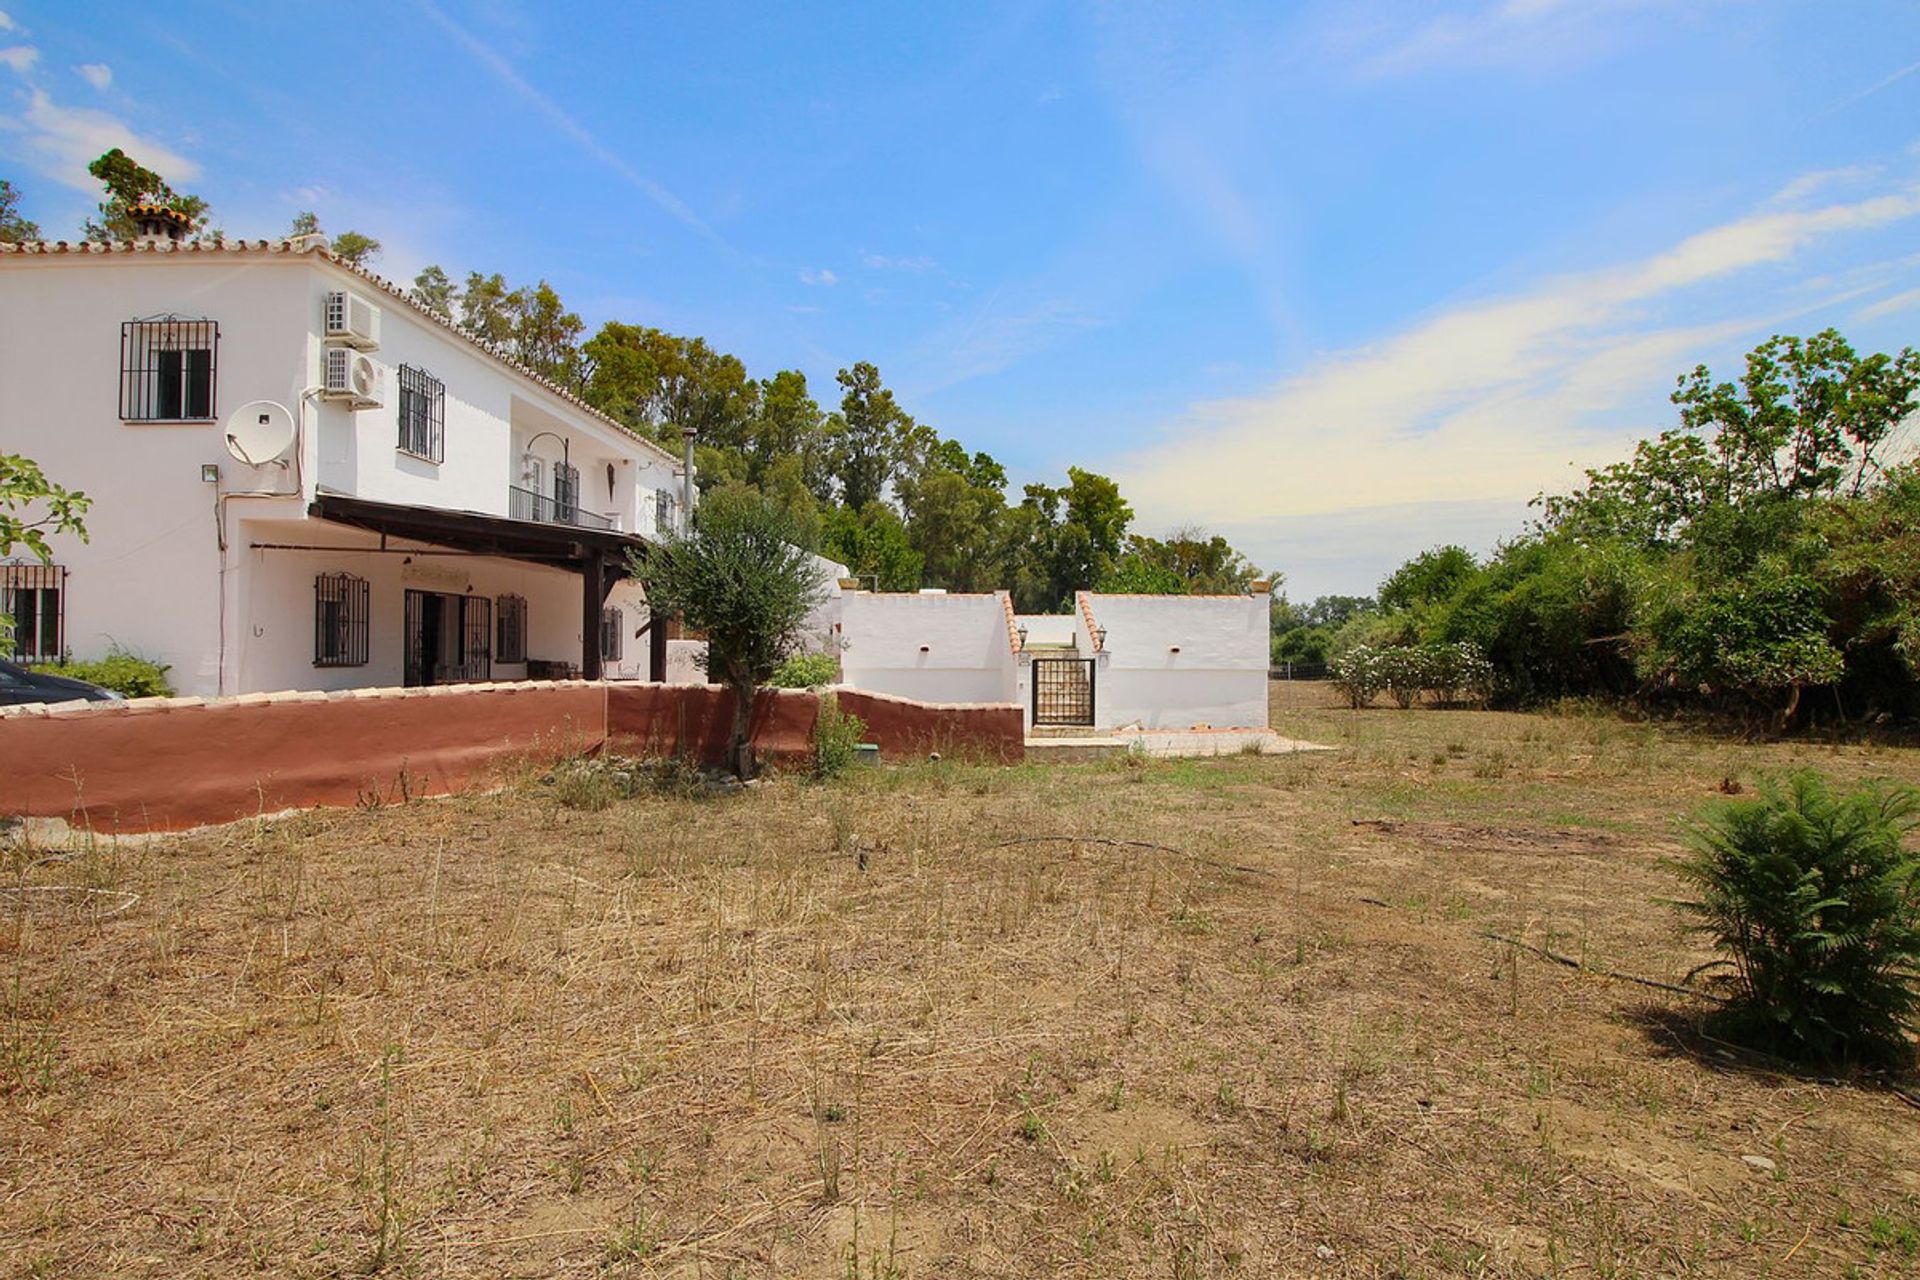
(340, 612)
(511, 611)
(663, 511)
(566, 492)
(612, 624)
(168, 369)
(423, 410)
(34, 596)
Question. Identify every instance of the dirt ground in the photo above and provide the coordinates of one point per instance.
(883, 1028)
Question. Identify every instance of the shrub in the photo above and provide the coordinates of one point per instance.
(805, 671)
(1815, 902)
(1359, 673)
(123, 672)
(1403, 670)
(837, 736)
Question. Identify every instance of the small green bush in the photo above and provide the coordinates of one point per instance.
(805, 671)
(836, 736)
(1815, 902)
(124, 673)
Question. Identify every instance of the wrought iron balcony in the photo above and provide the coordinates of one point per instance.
(525, 504)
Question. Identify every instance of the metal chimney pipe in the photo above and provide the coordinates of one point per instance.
(686, 475)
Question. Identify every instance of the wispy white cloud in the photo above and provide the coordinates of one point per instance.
(6, 22)
(1528, 33)
(582, 137)
(995, 337)
(97, 74)
(66, 139)
(1875, 87)
(889, 262)
(19, 58)
(1488, 402)
(1894, 305)
(821, 276)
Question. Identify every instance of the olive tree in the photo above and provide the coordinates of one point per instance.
(739, 577)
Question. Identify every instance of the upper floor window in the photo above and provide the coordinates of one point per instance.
(34, 597)
(340, 616)
(510, 612)
(168, 368)
(423, 411)
(663, 512)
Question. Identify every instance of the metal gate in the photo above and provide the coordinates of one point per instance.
(1063, 691)
(449, 638)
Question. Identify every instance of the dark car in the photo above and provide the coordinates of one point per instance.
(18, 685)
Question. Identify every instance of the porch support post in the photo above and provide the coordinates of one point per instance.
(593, 595)
(657, 647)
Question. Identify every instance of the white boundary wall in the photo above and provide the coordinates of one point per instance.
(933, 648)
(1174, 662)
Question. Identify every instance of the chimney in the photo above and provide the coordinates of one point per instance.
(159, 223)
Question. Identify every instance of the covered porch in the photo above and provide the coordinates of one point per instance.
(600, 557)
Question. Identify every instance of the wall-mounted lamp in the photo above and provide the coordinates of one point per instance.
(1022, 633)
(209, 473)
(1099, 637)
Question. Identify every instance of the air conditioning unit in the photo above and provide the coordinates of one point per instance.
(353, 320)
(355, 377)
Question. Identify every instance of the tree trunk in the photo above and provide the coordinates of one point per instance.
(740, 751)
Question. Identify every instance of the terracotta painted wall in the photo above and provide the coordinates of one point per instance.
(168, 763)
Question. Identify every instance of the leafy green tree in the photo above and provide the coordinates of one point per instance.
(873, 544)
(659, 384)
(1764, 637)
(128, 183)
(1428, 578)
(32, 507)
(489, 310)
(435, 292)
(1190, 562)
(546, 334)
(868, 435)
(1809, 417)
(355, 249)
(789, 425)
(739, 578)
(14, 229)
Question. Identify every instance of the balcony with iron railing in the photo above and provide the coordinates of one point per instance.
(525, 504)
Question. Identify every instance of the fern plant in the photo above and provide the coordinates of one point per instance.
(1814, 900)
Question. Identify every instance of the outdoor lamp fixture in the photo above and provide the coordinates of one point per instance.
(210, 473)
(1022, 633)
(1099, 637)
(565, 445)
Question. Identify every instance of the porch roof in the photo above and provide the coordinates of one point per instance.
(560, 546)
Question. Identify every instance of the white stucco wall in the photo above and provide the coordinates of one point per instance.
(1173, 662)
(151, 576)
(936, 648)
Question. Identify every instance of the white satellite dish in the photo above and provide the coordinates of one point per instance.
(260, 432)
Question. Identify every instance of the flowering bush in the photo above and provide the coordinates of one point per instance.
(1449, 673)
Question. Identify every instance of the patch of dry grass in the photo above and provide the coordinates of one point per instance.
(833, 1031)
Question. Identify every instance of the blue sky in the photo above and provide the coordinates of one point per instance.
(1341, 280)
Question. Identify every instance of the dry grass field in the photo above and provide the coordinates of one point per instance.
(853, 1030)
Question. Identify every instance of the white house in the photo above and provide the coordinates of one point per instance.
(303, 480)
